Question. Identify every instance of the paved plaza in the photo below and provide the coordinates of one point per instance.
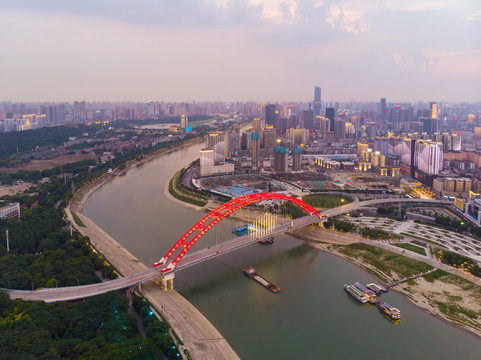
(445, 239)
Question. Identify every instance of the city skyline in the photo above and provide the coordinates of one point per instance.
(240, 51)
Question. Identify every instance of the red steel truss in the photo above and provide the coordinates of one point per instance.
(208, 221)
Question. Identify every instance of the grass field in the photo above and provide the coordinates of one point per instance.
(385, 261)
(326, 200)
(77, 219)
(412, 248)
(196, 124)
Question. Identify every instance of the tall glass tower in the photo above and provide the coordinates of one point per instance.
(317, 101)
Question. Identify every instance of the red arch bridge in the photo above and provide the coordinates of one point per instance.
(172, 259)
(182, 246)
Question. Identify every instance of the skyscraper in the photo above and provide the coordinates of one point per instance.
(256, 145)
(184, 122)
(270, 114)
(434, 112)
(331, 115)
(429, 156)
(431, 125)
(339, 129)
(281, 161)
(382, 110)
(80, 111)
(296, 158)
(308, 120)
(317, 101)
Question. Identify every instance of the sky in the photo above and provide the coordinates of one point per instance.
(240, 50)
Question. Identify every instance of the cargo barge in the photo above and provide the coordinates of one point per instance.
(356, 293)
(251, 272)
(267, 241)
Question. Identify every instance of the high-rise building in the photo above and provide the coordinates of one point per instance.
(431, 125)
(456, 142)
(382, 109)
(296, 158)
(256, 144)
(271, 114)
(407, 166)
(212, 139)
(269, 139)
(378, 159)
(80, 111)
(308, 120)
(331, 115)
(339, 129)
(381, 144)
(232, 139)
(434, 111)
(297, 136)
(322, 124)
(317, 101)
(361, 147)
(281, 158)
(207, 157)
(184, 122)
(429, 156)
(256, 125)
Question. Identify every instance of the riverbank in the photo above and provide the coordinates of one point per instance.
(199, 337)
(453, 296)
(440, 296)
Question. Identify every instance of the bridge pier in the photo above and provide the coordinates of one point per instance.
(167, 282)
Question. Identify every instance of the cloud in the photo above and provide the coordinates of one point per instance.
(403, 59)
(237, 49)
(185, 13)
(420, 5)
(348, 17)
(476, 16)
(454, 62)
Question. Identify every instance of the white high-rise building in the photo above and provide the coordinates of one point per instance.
(429, 156)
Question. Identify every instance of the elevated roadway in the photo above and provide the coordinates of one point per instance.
(130, 281)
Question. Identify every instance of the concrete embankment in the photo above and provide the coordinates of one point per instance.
(201, 339)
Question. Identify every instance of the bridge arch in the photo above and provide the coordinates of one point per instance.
(216, 215)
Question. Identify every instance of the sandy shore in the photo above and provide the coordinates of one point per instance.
(441, 298)
(456, 300)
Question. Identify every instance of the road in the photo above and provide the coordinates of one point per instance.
(199, 336)
(79, 292)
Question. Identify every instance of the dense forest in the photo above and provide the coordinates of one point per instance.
(24, 141)
(164, 120)
(460, 261)
(44, 253)
(101, 327)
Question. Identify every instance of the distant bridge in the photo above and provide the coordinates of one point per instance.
(183, 260)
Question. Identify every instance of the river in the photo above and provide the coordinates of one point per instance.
(312, 317)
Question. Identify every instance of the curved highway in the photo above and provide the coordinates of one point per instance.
(80, 292)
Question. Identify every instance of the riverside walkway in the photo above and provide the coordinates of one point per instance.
(199, 337)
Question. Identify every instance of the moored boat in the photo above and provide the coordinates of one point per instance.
(389, 310)
(356, 293)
